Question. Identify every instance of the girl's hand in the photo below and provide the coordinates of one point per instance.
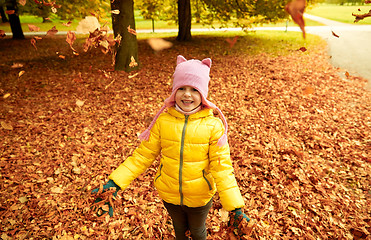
(239, 216)
(107, 207)
(241, 224)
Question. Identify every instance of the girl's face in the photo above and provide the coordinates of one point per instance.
(187, 98)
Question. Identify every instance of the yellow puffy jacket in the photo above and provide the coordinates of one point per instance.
(192, 166)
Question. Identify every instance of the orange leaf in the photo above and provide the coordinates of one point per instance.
(335, 34)
(308, 91)
(52, 31)
(296, 9)
(132, 31)
(232, 42)
(33, 28)
(70, 39)
(10, 12)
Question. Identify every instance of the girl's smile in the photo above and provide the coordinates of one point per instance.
(187, 98)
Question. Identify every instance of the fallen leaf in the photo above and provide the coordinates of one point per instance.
(6, 95)
(232, 41)
(308, 90)
(23, 199)
(80, 103)
(21, 73)
(133, 63)
(6, 125)
(303, 49)
(17, 65)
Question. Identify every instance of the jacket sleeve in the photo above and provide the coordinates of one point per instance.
(142, 157)
(222, 171)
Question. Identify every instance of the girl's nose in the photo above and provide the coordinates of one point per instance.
(187, 92)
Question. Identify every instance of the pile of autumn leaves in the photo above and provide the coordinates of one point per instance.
(299, 133)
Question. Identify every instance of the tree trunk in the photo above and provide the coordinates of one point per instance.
(15, 23)
(4, 19)
(184, 20)
(127, 51)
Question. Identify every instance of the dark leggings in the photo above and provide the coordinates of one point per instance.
(188, 218)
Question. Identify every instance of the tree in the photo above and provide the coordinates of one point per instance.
(184, 20)
(2, 12)
(15, 23)
(123, 24)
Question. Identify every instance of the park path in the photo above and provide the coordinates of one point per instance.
(349, 45)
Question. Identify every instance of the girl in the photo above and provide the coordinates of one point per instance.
(195, 158)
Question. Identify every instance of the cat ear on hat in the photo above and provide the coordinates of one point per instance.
(180, 59)
(207, 61)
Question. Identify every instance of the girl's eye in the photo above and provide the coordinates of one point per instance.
(181, 88)
(194, 89)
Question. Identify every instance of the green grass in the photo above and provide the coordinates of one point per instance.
(273, 43)
(340, 13)
(330, 11)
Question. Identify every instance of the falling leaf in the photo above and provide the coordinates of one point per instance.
(116, 11)
(62, 56)
(10, 12)
(6, 125)
(22, 2)
(33, 28)
(296, 9)
(232, 41)
(80, 103)
(88, 25)
(132, 31)
(21, 73)
(303, 49)
(33, 42)
(360, 17)
(347, 74)
(17, 65)
(70, 39)
(334, 34)
(52, 31)
(54, 9)
(133, 63)
(67, 24)
(159, 44)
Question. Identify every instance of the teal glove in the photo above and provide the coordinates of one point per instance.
(108, 185)
(240, 224)
(238, 217)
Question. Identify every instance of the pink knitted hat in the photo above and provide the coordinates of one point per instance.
(194, 73)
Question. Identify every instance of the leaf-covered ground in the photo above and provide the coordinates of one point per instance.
(299, 136)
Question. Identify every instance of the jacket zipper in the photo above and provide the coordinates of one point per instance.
(208, 183)
(160, 172)
(181, 160)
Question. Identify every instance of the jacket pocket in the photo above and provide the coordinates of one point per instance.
(160, 171)
(208, 182)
